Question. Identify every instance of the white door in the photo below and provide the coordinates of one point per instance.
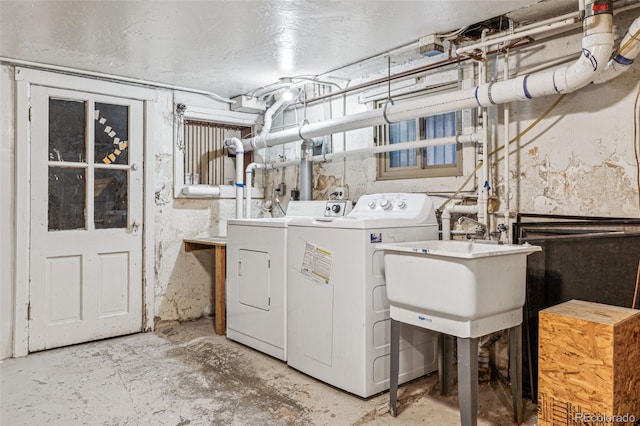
(86, 217)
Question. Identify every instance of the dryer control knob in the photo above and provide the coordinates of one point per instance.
(372, 205)
(401, 204)
(385, 204)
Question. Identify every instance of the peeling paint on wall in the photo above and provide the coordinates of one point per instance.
(605, 189)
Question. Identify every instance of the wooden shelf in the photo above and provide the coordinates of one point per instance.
(219, 258)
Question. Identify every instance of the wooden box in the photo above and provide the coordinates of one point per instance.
(588, 364)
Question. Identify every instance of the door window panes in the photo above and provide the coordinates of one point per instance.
(110, 198)
(67, 126)
(66, 198)
(111, 133)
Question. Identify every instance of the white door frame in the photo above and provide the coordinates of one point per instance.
(25, 77)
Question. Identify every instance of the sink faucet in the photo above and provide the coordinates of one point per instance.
(480, 227)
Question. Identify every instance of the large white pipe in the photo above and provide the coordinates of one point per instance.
(363, 152)
(259, 141)
(597, 44)
(236, 145)
(247, 186)
(629, 50)
(204, 191)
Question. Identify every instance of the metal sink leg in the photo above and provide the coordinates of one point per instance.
(468, 380)
(394, 367)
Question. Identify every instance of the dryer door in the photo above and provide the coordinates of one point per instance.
(254, 279)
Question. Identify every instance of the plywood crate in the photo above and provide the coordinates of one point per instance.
(588, 364)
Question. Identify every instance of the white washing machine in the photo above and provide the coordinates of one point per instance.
(338, 324)
(256, 278)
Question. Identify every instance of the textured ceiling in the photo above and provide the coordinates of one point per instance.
(230, 47)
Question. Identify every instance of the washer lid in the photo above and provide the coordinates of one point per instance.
(269, 222)
(348, 222)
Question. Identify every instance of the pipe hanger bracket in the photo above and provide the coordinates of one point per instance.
(384, 110)
(305, 121)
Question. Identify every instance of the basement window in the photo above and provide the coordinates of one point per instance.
(433, 161)
(200, 157)
(205, 156)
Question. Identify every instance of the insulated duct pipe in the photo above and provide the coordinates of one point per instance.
(247, 186)
(236, 145)
(306, 170)
(629, 50)
(597, 44)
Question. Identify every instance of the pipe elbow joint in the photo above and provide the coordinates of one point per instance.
(253, 166)
(235, 145)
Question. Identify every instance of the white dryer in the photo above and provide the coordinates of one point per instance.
(338, 324)
(256, 278)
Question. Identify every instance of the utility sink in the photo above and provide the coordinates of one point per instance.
(462, 288)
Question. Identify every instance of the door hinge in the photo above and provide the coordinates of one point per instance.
(269, 264)
(29, 311)
(29, 113)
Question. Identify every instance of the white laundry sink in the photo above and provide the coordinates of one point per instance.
(463, 288)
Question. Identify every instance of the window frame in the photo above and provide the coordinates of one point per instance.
(384, 171)
(199, 113)
(195, 129)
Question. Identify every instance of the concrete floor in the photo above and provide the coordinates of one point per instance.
(184, 374)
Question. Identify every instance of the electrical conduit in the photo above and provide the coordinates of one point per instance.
(507, 120)
(483, 195)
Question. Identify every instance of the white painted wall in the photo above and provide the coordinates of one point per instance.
(580, 159)
(182, 280)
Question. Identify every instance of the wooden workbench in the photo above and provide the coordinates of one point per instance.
(219, 273)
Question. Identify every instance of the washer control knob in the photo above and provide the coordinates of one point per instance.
(385, 204)
(372, 205)
(335, 208)
(401, 204)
